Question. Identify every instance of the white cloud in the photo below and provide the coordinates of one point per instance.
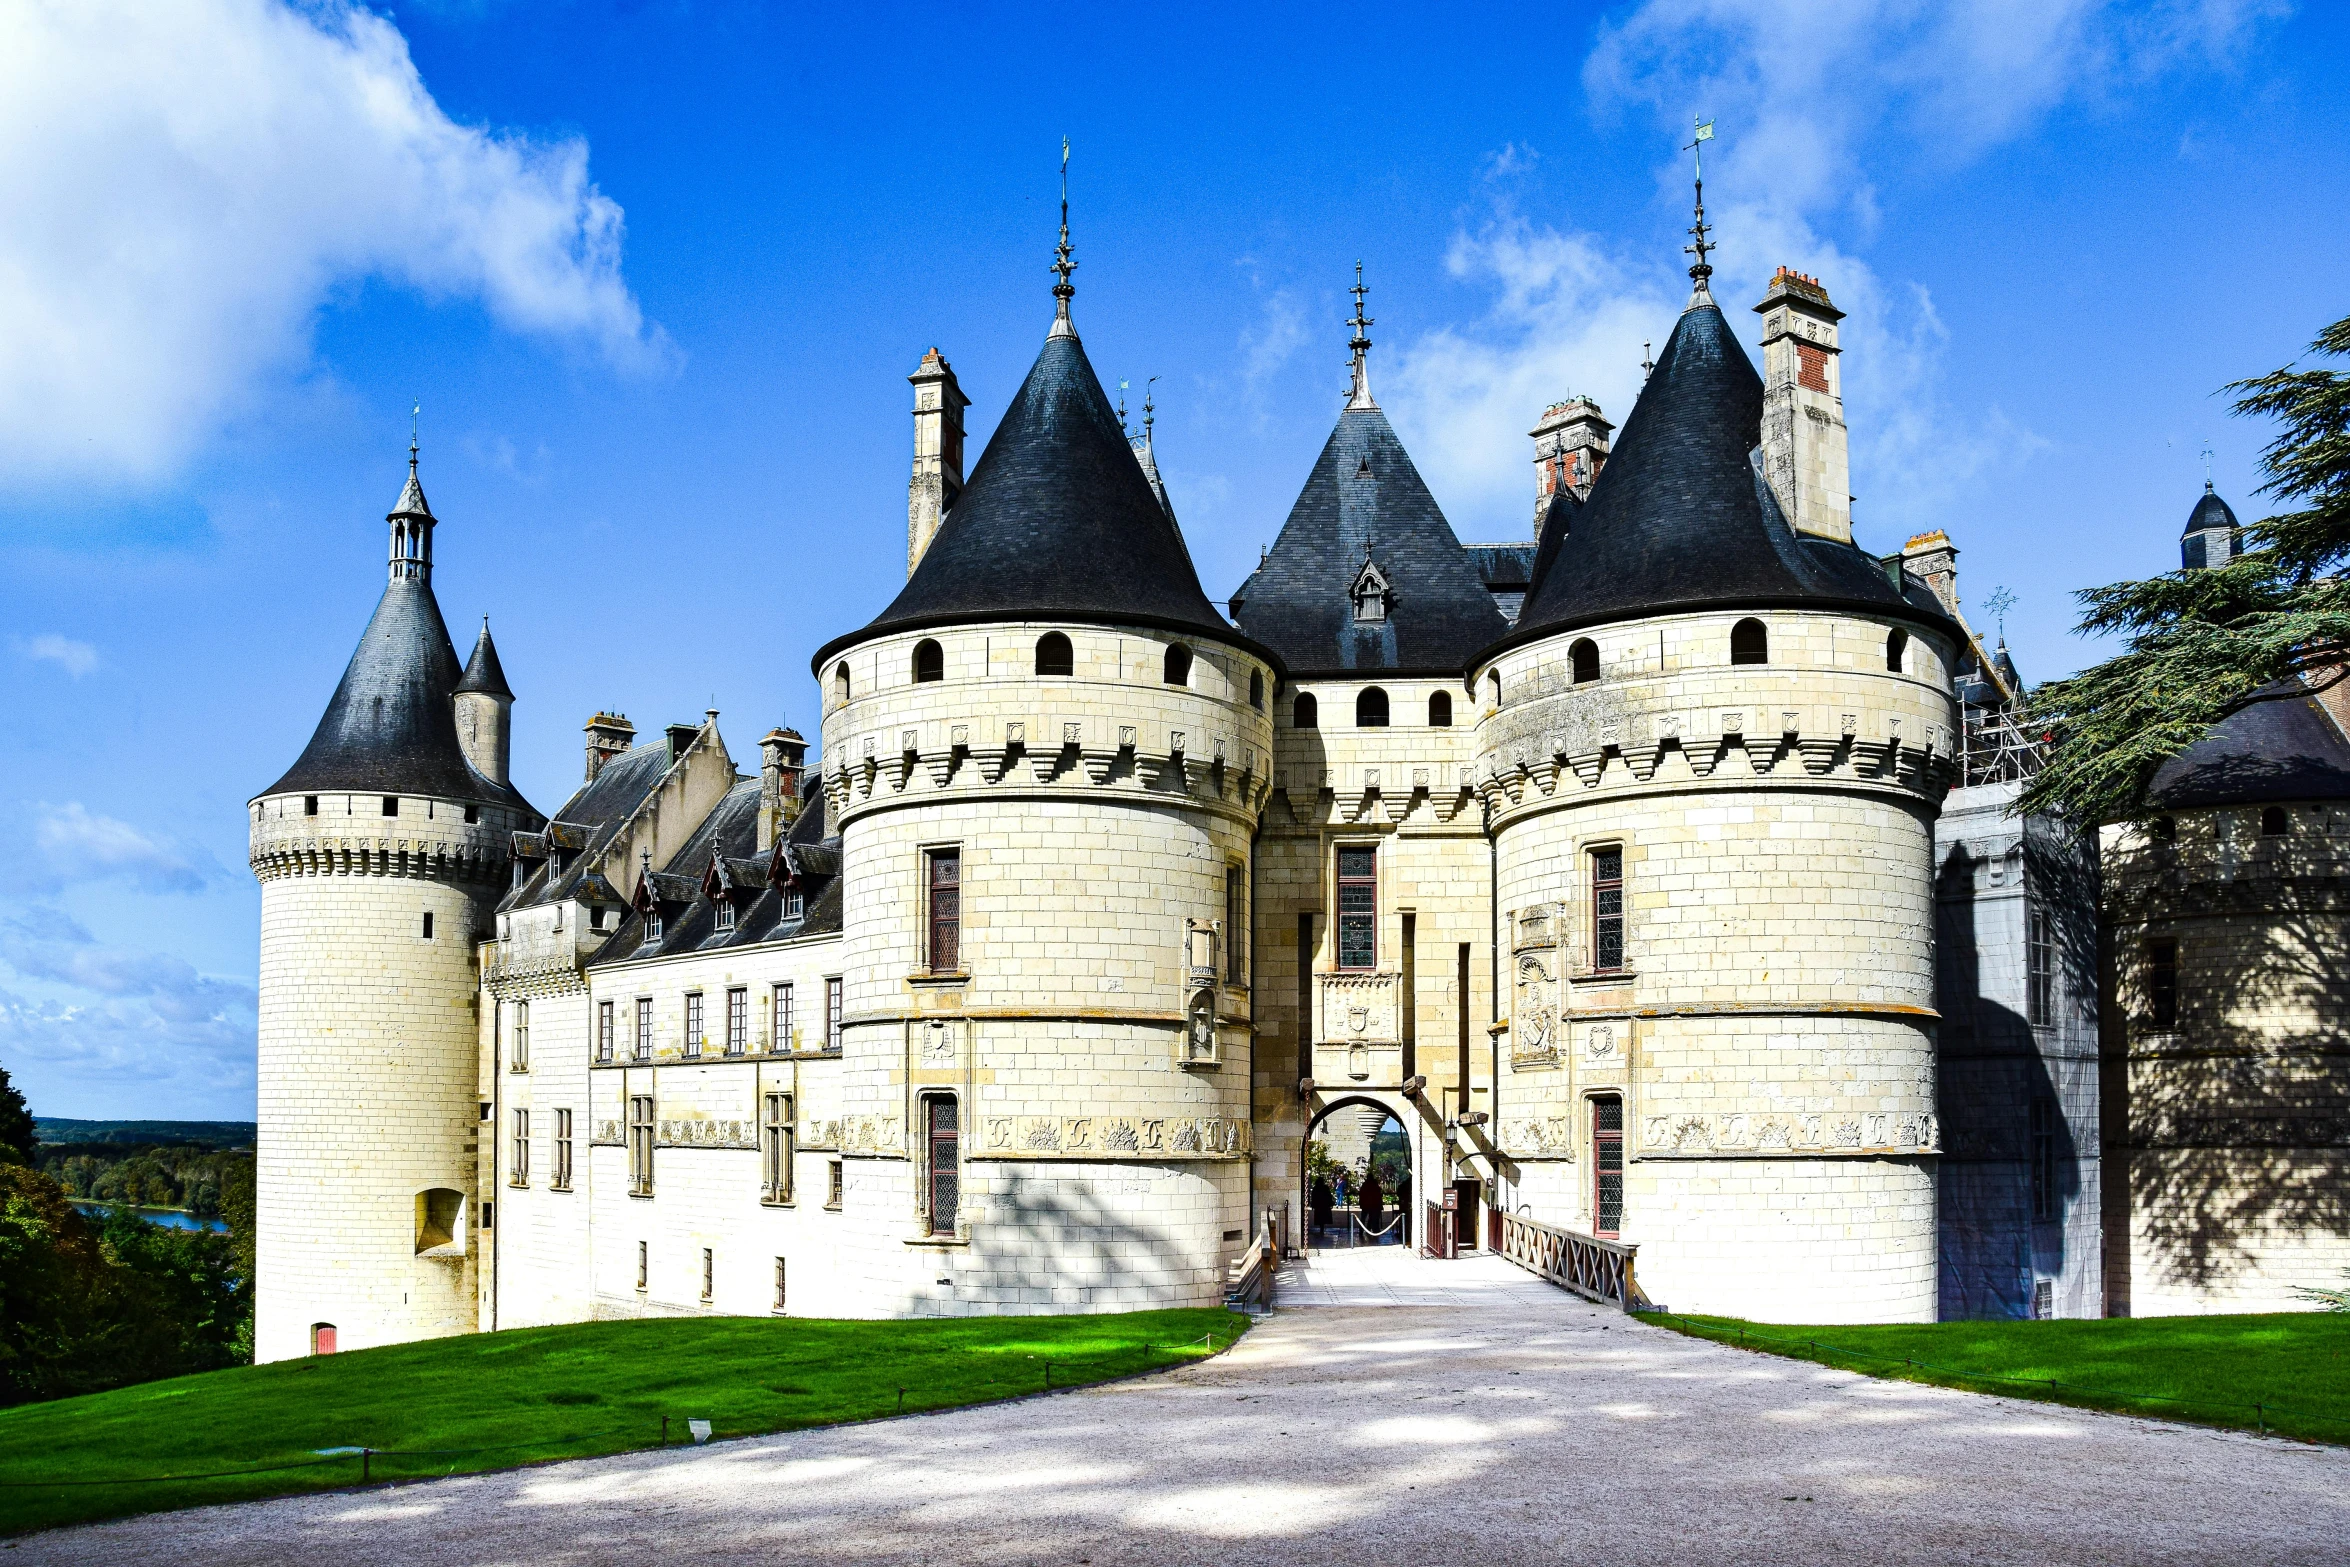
(189, 182)
(127, 1017)
(75, 658)
(71, 844)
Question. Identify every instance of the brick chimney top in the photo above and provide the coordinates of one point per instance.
(1787, 283)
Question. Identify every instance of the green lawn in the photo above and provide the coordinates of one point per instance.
(2285, 1372)
(496, 1400)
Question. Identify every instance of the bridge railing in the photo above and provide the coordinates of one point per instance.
(1592, 1268)
(1252, 1284)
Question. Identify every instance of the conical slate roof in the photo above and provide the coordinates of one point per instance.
(2210, 512)
(1057, 522)
(483, 672)
(2286, 748)
(1681, 517)
(1364, 500)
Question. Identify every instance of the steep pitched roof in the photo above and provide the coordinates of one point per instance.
(1365, 495)
(2287, 749)
(719, 860)
(1682, 519)
(483, 672)
(1057, 522)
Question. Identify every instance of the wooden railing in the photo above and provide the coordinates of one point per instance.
(1252, 1281)
(1436, 1234)
(1592, 1268)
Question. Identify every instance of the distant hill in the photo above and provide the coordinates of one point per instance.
(186, 1134)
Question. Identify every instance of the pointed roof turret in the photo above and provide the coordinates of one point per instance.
(483, 673)
(1146, 451)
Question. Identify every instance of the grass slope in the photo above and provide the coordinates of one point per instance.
(497, 1400)
(2285, 1372)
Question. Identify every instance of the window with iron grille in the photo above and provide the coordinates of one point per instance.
(781, 1021)
(2043, 1156)
(775, 1146)
(1607, 909)
(946, 910)
(779, 1284)
(1235, 924)
(2043, 1300)
(941, 1131)
(832, 1184)
(603, 1031)
(640, 1146)
(2039, 966)
(832, 1000)
(709, 1273)
(2162, 982)
(738, 1021)
(562, 1180)
(1358, 907)
(519, 1174)
(521, 1051)
(1607, 1167)
(693, 1023)
(644, 1264)
(644, 1028)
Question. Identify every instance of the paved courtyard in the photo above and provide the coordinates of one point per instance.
(1415, 1412)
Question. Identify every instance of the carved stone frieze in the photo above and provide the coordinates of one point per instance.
(1747, 1134)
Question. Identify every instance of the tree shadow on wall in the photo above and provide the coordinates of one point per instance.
(1078, 1239)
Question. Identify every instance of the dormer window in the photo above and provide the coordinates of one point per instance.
(1371, 595)
(726, 914)
(653, 926)
(794, 905)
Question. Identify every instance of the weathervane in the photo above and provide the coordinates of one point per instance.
(1064, 262)
(1997, 606)
(416, 412)
(1146, 408)
(1359, 396)
(1700, 272)
(2207, 467)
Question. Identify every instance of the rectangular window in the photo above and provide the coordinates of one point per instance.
(653, 927)
(521, 1036)
(946, 910)
(1607, 913)
(832, 1008)
(1358, 908)
(709, 1273)
(832, 1184)
(643, 1042)
(1235, 924)
(603, 1031)
(1607, 1167)
(779, 1284)
(726, 914)
(2039, 966)
(391, 805)
(310, 805)
(2043, 1300)
(945, 1167)
(472, 815)
(562, 1150)
(640, 1145)
(2043, 1155)
(644, 1264)
(693, 1023)
(781, 1021)
(520, 1175)
(775, 1146)
(794, 905)
(738, 1021)
(428, 925)
(2162, 982)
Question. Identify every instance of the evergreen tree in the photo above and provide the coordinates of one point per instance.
(16, 1124)
(2271, 624)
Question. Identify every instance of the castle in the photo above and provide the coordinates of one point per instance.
(1609, 863)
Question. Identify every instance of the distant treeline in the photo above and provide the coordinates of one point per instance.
(152, 1176)
(177, 1134)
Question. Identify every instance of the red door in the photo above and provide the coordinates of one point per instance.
(322, 1339)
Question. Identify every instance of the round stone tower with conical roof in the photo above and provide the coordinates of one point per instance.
(1047, 758)
(1712, 752)
(380, 854)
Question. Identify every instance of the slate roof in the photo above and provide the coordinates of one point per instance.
(583, 825)
(1057, 522)
(1682, 519)
(1364, 491)
(2287, 749)
(483, 672)
(391, 727)
(1559, 516)
(722, 859)
(2210, 512)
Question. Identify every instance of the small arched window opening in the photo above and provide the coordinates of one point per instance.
(840, 681)
(1371, 709)
(1178, 665)
(930, 661)
(1583, 661)
(1750, 643)
(1493, 690)
(1896, 648)
(1440, 710)
(1306, 713)
(2274, 823)
(1256, 689)
(1053, 656)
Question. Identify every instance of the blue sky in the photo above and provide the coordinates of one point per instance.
(657, 273)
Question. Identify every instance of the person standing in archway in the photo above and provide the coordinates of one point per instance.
(1369, 1202)
(1322, 1200)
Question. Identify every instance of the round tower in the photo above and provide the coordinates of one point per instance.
(1711, 754)
(1048, 758)
(380, 855)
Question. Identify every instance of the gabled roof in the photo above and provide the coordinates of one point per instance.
(1364, 494)
(483, 672)
(1058, 522)
(2286, 749)
(583, 825)
(1681, 518)
(721, 861)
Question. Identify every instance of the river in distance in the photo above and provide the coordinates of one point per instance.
(169, 1218)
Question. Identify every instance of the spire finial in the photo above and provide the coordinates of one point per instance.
(415, 413)
(1647, 361)
(1360, 345)
(2207, 467)
(1122, 430)
(1702, 270)
(1064, 261)
(1146, 409)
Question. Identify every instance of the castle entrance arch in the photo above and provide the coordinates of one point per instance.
(1361, 1172)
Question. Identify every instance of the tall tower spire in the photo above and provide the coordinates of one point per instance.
(412, 521)
(1360, 397)
(1064, 260)
(1703, 270)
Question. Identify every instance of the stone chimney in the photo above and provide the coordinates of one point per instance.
(783, 756)
(1804, 454)
(1570, 445)
(608, 735)
(938, 453)
(1933, 560)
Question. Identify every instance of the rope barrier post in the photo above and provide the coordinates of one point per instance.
(2260, 1414)
(901, 1400)
(664, 1430)
(365, 1454)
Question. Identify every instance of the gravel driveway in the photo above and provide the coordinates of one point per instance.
(1463, 1417)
